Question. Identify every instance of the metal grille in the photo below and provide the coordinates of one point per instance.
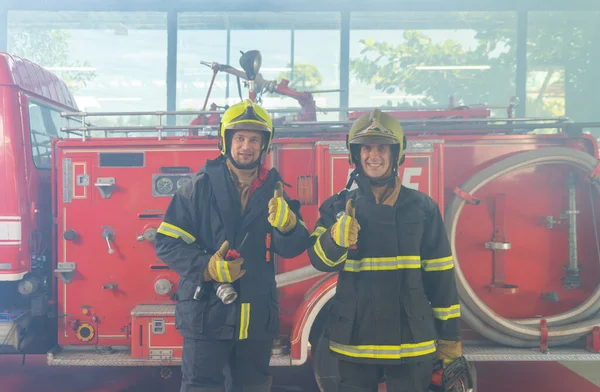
(89, 356)
(496, 353)
(153, 310)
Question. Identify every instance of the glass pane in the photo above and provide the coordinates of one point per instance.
(111, 61)
(433, 58)
(201, 37)
(42, 130)
(563, 65)
(293, 46)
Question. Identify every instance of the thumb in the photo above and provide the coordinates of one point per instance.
(350, 210)
(224, 248)
(278, 190)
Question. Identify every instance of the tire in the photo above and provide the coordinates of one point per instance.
(325, 366)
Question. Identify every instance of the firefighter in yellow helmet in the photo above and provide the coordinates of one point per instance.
(396, 305)
(233, 203)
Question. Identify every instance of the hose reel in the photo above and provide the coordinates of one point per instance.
(563, 328)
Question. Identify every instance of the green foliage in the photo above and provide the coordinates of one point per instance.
(392, 68)
(304, 76)
(563, 47)
(49, 48)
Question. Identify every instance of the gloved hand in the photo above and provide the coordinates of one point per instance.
(345, 231)
(221, 270)
(280, 215)
(448, 351)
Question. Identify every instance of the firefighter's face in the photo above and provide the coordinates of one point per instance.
(245, 147)
(375, 159)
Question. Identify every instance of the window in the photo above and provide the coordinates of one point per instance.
(111, 61)
(42, 130)
(563, 65)
(300, 47)
(425, 58)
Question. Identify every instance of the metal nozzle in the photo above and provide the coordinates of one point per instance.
(226, 293)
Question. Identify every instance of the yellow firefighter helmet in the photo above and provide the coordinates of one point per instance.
(246, 116)
(375, 127)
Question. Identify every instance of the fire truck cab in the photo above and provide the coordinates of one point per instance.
(31, 100)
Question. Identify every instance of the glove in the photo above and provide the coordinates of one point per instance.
(280, 215)
(221, 270)
(448, 351)
(345, 231)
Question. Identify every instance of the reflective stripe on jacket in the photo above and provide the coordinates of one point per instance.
(201, 216)
(396, 293)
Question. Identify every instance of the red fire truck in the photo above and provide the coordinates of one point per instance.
(31, 100)
(520, 206)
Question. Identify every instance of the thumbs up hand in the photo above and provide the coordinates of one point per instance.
(222, 270)
(345, 231)
(280, 215)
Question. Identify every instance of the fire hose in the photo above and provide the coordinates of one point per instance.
(562, 328)
(297, 276)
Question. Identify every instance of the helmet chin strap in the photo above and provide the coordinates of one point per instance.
(390, 179)
(358, 175)
(248, 166)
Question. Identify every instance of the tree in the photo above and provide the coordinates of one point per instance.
(404, 66)
(49, 48)
(564, 50)
(303, 76)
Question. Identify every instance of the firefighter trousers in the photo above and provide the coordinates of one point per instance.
(204, 362)
(360, 377)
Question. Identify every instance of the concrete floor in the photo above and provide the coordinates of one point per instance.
(35, 376)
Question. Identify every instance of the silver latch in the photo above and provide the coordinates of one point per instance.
(148, 235)
(158, 326)
(161, 354)
(109, 235)
(66, 270)
(498, 245)
(106, 186)
(83, 180)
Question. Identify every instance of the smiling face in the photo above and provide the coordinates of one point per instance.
(375, 159)
(246, 146)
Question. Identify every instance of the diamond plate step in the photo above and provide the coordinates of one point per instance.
(498, 353)
(89, 356)
(121, 356)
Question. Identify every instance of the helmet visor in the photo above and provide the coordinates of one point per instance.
(248, 125)
(371, 139)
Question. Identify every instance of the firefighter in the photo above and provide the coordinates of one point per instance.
(396, 297)
(233, 203)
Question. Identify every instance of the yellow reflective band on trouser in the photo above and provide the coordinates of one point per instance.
(282, 213)
(244, 321)
(318, 231)
(441, 264)
(446, 313)
(321, 254)
(223, 272)
(175, 232)
(383, 263)
(384, 352)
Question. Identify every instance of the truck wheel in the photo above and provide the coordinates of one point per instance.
(325, 366)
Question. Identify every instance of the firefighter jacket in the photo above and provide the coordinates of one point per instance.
(396, 293)
(201, 216)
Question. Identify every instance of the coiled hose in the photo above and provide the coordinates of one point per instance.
(297, 276)
(562, 328)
